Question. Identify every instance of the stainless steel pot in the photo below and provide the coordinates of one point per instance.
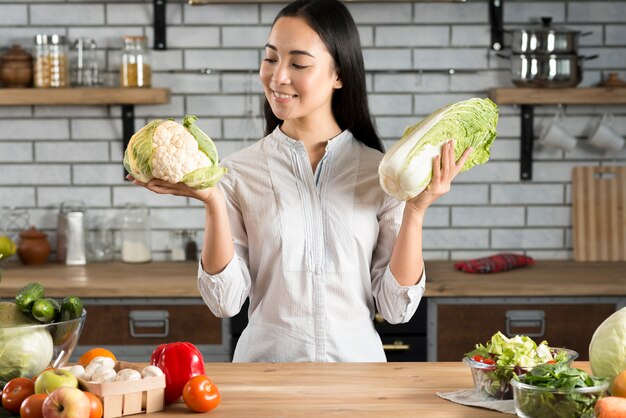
(547, 70)
(545, 39)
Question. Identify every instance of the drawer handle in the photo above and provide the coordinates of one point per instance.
(526, 319)
(397, 346)
(379, 318)
(149, 319)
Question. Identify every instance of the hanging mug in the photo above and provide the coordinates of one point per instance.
(604, 136)
(555, 135)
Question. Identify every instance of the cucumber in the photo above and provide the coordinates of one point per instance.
(26, 296)
(46, 310)
(71, 308)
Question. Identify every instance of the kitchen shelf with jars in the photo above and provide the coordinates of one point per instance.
(57, 74)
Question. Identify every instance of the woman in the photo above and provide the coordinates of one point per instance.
(300, 224)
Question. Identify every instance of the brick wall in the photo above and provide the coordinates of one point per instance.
(52, 153)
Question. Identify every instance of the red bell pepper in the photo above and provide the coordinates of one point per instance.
(179, 362)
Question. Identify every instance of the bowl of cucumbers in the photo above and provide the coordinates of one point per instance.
(37, 332)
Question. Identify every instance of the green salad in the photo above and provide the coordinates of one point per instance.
(501, 358)
(558, 391)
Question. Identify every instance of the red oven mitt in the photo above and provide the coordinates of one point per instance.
(494, 263)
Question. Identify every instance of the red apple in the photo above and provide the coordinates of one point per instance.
(52, 379)
(66, 402)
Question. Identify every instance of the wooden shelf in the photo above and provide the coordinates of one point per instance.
(527, 98)
(84, 96)
(579, 96)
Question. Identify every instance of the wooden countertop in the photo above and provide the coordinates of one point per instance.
(339, 389)
(178, 280)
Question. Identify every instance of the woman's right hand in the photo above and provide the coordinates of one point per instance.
(178, 189)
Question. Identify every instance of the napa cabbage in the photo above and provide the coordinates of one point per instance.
(406, 169)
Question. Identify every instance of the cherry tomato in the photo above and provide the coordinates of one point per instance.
(488, 360)
(200, 394)
(478, 358)
(15, 392)
(551, 362)
(32, 406)
(96, 405)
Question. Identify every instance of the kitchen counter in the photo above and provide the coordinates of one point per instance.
(339, 389)
(178, 280)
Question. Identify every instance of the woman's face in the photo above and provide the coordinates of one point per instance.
(298, 73)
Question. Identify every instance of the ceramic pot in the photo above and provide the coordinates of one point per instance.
(16, 68)
(34, 247)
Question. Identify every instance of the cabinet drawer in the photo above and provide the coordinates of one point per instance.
(152, 324)
(461, 326)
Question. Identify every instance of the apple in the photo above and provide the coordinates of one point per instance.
(49, 380)
(66, 402)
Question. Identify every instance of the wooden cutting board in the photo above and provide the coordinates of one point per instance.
(599, 213)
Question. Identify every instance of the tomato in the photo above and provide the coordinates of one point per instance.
(551, 362)
(489, 360)
(15, 392)
(31, 407)
(96, 405)
(478, 358)
(200, 394)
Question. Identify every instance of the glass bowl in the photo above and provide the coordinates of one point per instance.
(27, 350)
(494, 381)
(541, 402)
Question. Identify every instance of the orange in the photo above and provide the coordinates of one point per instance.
(619, 385)
(86, 358)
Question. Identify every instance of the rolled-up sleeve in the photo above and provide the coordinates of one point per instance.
(394, 302)
(225, 292)
(397, 303)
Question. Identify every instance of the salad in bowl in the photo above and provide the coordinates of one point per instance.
(496, 362)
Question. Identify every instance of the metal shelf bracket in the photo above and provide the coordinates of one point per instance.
(495, 21)
(159, 25)
(128, 127)
(526, 154)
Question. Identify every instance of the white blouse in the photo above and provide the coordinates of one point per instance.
(312, 253)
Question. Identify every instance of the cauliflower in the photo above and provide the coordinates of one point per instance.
(173, 152)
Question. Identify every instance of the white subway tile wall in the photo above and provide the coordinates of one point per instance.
(52, 153)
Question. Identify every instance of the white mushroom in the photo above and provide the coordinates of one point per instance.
(128, 374)
(77, 370)
(107, 361)
(103, 374)
(151, 371)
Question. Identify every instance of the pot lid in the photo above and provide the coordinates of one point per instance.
(546, 27)
(16, 53)
(32, 232)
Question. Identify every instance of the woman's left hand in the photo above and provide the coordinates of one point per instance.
(445, 168)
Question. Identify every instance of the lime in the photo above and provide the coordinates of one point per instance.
(7, 247)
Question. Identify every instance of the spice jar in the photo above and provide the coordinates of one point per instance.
(16, 68)
(34, 247)
(51, 61)
(136, 246)
(136, 68)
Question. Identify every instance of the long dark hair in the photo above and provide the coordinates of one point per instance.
(332, 21)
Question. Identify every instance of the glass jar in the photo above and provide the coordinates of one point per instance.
(136, 68)
(177, 245)
(136, 246)
(51, 61)
(41, 76)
